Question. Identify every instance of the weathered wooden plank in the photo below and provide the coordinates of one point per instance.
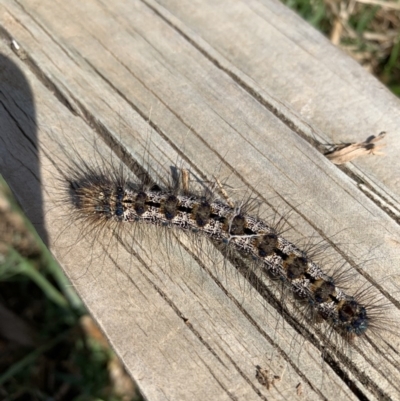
(181, 325)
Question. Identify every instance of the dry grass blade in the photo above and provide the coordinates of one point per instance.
(390, 5)
(346, 152)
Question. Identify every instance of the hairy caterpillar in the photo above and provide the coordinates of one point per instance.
(102, 197)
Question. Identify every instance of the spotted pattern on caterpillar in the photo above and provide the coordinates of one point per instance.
(102, 198)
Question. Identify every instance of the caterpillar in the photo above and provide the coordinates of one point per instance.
(100, 198)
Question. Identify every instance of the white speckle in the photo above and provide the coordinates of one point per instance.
(15, 44)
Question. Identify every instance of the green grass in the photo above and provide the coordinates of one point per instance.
(315, 12)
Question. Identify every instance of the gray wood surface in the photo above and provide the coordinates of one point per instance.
(225, 88)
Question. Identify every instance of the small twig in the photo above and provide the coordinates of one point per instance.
(185, 180)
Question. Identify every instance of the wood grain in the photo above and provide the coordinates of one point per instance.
(228, 89)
